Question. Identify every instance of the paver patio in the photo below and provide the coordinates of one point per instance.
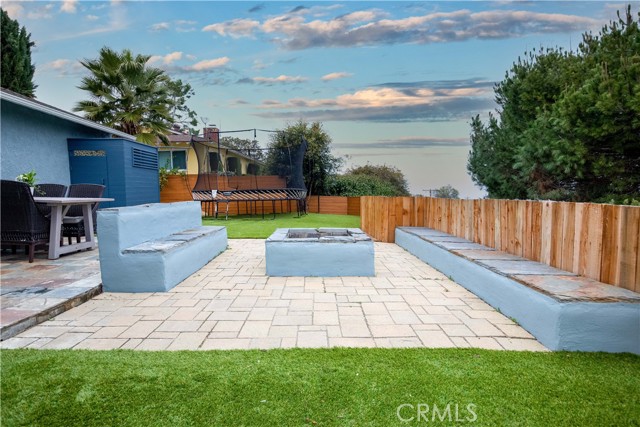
(232, 304)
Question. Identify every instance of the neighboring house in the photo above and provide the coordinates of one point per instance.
(33, 136)
(180, 154)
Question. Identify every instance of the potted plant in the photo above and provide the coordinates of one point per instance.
(28, 178)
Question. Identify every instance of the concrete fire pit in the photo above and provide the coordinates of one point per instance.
(322, 252)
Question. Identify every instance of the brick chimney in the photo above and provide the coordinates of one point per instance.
(211, 133)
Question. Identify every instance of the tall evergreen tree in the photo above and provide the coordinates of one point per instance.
(17, 70)
(568, 123)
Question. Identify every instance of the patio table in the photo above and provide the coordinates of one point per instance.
(59, 207)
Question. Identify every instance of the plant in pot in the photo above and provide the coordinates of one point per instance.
(28, 178)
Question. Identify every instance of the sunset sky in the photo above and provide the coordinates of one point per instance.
(394, 83)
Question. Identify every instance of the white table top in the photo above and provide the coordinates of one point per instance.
(71, 200)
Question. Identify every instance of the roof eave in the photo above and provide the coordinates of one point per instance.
(52, 111)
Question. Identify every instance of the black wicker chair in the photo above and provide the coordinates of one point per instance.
(23, 222)
(49, 190)
(73, 222)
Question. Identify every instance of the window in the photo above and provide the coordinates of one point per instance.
(173, 159)
(213, 161)
(232, 165)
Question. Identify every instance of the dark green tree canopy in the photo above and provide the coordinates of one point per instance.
(388, 180)
(318, 164)
(359, 185)
(568, 124)
(17, 70)
(249, 147)
(447, 192)
(129, 95)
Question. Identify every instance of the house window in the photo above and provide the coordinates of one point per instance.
(173, 159)
(232, 165)
(213, 161)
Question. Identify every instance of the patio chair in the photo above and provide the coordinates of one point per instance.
(73, 222)
(23, 222)
(49, 190)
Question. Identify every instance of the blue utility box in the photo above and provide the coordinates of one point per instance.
(128, 169)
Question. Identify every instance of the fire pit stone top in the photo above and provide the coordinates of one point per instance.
(324, 235)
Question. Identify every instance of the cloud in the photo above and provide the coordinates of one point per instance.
(208, 64)
(118, 20)
(294, 31)
(13, 9)
(408, 142)
(62, 67)
(235, 29)
(168, 63)
(180, 25)
(167, 59)
(44, 12)
(69, 6)
(185, 26)
(259, 65)
(445, 110)
(335, 76)
(160, 26)
(91, 17)
(399, 102)
(477, 83)
(238, 102)
(270, 81)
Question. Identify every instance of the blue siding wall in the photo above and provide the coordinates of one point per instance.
(141, 174)
(130, 180)
(31, 140)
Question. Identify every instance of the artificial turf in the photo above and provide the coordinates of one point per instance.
(254, 227)
(319, 387)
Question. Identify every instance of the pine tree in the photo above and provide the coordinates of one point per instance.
(17, 69)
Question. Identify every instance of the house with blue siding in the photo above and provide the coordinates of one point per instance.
(66, 149)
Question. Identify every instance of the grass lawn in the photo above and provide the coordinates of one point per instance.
(325, 387)
(245, 227)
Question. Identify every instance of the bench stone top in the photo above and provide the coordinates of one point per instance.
(558, 284)
(522, 267)
(173, 241)
(577, 288)
(478, 254)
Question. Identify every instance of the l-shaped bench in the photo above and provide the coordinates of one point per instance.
(562, 310)
(153, 247)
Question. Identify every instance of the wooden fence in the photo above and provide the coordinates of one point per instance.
(178, 189)
(593, 240)
(336, 205)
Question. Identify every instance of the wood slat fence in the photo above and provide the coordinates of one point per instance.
(593, 240)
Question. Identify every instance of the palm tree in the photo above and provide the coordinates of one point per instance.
(128, 95)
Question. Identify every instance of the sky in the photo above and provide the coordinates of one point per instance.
(394, 83)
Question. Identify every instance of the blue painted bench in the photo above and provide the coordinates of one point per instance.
(153, 247)
(562, 310)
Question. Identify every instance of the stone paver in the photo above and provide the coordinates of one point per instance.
(33, 293)
(232, 304)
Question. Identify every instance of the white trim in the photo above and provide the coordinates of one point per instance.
(53, 111)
